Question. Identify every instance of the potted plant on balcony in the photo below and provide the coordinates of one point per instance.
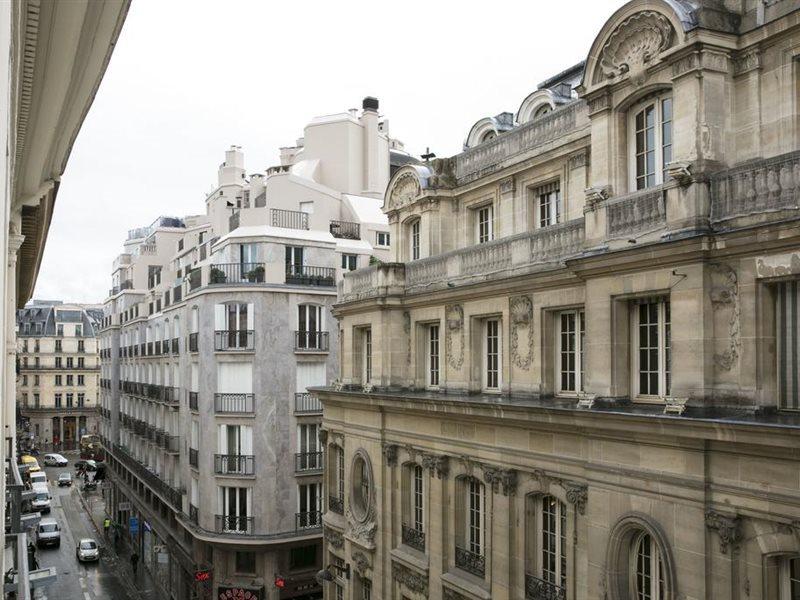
(256, 275)
(218, 275)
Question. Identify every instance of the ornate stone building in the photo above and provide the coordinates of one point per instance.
(578, 378)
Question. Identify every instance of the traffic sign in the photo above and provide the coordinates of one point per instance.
(133, 525)
(124, 506)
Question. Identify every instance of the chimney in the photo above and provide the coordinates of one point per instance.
(372, 146)
(232, 170)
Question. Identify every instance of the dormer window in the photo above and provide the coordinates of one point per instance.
(650, 141)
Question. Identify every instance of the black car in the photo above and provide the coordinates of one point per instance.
(64, 479)
(85, 465)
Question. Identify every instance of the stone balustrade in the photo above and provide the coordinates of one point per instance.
(636, 213)
(756, 188)
(490, 156)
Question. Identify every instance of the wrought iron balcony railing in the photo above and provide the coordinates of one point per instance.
(307, 403)
(311, 341)
(234, 339)
(234, 464)
(305, 462)
(471, 562)
(308, 520)
(336, 504)
(233, 403)
(234, 524)
(414, 538)
(539, 589)
(236, 273)
(310, 275)
(345, 230)
(290, 219)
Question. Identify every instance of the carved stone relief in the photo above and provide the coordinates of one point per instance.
(362, 532)
(633, 45)
(454, 315)
(437, 464)
(334, 538)
(578, 160)
(746, 61)
(521, 309)
(361, 563)
(450, 594)
(407, 332)
(413, 581)
(729, 529)
(725, 302)
(577, 494)
(500, 479)
(390, 454)
(443, 175)
(404, 191)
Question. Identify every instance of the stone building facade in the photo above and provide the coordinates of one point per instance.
(577, 378)
(215, 328)
(59, 372)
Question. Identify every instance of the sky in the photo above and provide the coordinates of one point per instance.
(190, 78)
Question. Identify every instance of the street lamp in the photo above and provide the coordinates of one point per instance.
(326, 575)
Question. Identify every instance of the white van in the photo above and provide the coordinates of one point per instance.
(38, 477)
(48, 533)
(41, 502)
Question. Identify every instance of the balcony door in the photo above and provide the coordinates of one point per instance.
(295, 259)
(235, 443)
(308, 505)
(308, 446)
(234, 321)
(309, 325)
(235, 509)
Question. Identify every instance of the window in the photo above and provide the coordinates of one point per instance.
(58, 346)
(491, 362)
(414, 235)
(651, 142)
(246, 562)
(382, 238)
(59, 362)
(309, 326)
(303, 557)
(652, 349)
(70, 379)
(338, 588)
(483, 224)
(36, 381)
(36, 400)
(81, 399)
(361, 491)
(59, 332)
(648, 578)
(788, 343)
(433, 356)
(307, 207)
(24, 380)
(349, 262)
(413, 531)
(57, 400)
(78, 333)
(366, 376)
(569, 350)
(81, 380)
(81, 362)
(308, 505)
(339, 466)
(790, 578)
(471, 512)
(548, 204)
(553, 519)
(294, 260)
(309, 455)
(475, 516)
(234, 510)
(70, 362)
(69, 400)
(366, 589)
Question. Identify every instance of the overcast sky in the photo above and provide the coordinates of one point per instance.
(190, 78)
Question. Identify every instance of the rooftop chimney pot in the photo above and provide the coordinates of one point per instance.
(370, 103)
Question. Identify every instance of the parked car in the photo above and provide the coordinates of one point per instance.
(87, 550)
(55, 460)
(64, 479)
(41, 502)
(31, 462)
(48, 533)
(37, 477)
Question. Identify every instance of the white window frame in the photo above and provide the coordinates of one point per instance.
(663, 328)
(433, 356)
(484, 223)
(366, 355)
(475, 516)
(311, 493)
(417, 490)
(492, 329)
(308, 438)
(413, 237)
(558, 575)
(662, 149)
(578, 334)
(785, 577)
(382, 239)
(349, 262)
(551, 200)
(657, 586)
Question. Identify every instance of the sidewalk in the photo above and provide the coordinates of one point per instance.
(141, 586)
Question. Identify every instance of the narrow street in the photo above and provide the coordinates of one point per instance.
(107, 578)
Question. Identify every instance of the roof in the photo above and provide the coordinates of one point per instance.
(278, 232)
(358, 246)
(366, 210)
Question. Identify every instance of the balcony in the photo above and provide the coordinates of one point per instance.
(228, 273)
(192, 342)
(308, 462)
(233, 403)
(233, 221)
(470, 562)
(539, 589)
(193, 514)
(336, 504)
(414, 538)
(306, 403)
(289, 219)
(636, 213)
(192, 401)
(346, 230)
(234, 464)
(172, 494)
(308, 275)
(311, 341)
(234, 524)
(234, 339)
(193, 458)
(172, 395)
(308, 520)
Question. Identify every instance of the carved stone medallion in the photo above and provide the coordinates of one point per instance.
(635, 43)
(404, 191)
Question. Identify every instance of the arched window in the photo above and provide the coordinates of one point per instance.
(649, 141)
(489, 135)
(413, 237)
(647, 569)
(542, 111)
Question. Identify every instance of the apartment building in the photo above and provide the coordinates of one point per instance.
(577, 378)
(59, 373)
(56, 54)
(214, 330)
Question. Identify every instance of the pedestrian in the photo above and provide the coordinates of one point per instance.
(106, 526)
(116, 540)
(134, 561)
